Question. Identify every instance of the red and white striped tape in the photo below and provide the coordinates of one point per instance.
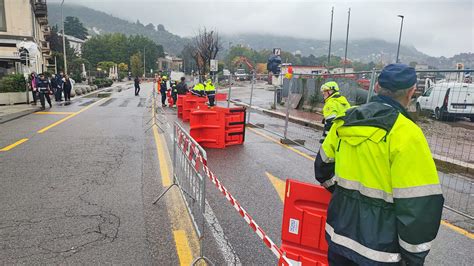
(190, 148)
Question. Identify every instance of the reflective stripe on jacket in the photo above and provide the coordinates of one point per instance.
(334, 106)
(387, 200)
(210, 89)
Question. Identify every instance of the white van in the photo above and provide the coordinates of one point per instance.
(448, 100)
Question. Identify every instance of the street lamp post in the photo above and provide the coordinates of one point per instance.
(400, 37)
(330, 36)
(347, 38)
(64, 39)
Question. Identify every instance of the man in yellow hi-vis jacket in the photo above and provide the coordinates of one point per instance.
(387, 202)
(335, 105)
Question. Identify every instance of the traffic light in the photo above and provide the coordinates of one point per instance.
(274, 64)
(24, 55)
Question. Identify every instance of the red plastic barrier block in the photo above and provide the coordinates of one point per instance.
(221, 97)
(206, 127)
(304, 218)
(179, 104)
(192, 102)
(170, 99)
(235, 125)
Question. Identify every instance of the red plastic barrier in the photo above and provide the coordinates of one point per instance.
(217, 127)
(192, 102)
(180, 104)
(304, 219)
(221, 97)
(170, 99)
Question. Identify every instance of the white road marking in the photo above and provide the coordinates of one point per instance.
(223, 243)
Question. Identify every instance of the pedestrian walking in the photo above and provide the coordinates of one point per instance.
(335, 105)
(137, 85)
(163, 89)
(386, 199)
(59, 87)
(44, 88)
(174, 91)
(210, 92)
(182, 87)
(67, 88)
(32, 84)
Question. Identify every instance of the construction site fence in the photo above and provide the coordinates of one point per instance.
(189, 177)
(291, 109)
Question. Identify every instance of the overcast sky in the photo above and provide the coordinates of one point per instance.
(436, 27)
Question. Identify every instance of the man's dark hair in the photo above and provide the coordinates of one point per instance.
(183, 79)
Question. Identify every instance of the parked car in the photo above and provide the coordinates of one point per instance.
(448, 100)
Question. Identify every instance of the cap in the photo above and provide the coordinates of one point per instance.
(396, 77)
(331, 85)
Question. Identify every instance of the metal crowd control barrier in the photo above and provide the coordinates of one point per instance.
(189, 177)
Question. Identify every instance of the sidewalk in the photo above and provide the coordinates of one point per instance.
(12, 112)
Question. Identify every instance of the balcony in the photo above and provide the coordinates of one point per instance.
(46, 31)
(45, 48)
(40, 7)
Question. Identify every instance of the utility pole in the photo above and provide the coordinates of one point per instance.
(64, 39)
(330, 36)
(400, 37)
(347, 38)
(144, 62)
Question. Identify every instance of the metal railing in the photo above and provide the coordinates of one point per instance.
(189, 177)
(278, 108)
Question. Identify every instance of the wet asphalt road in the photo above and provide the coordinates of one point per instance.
(81, 192)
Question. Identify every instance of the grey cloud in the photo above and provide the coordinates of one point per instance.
(443, 27)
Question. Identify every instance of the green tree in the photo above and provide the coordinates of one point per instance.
(136, 64)
(119, 48)
(74, 27)
(105, 65)
(75, 68)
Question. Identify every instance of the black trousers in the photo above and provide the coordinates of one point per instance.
(35, 96)
(337, 260)
(211, 98)
(137, 90)
(174, 95)
(67, 94)
(42, 95)
(59, 94)
(163, 97)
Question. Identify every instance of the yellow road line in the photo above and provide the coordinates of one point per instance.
(186, 240)
(162, 158)
(69, 117)
(281, 144)
(53, 113)
(182, 247)
(457, 229)
(11, 146)
(278, 184)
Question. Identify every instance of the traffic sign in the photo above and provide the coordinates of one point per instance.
(214, 65)
(277, 51)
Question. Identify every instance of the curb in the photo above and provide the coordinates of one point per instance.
(17, 115)
(448, 164)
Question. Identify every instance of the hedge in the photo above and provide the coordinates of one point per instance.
(13, 83)
(101, 82)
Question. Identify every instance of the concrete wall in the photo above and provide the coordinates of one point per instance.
(18, 16)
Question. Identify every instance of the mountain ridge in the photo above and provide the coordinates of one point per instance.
(364, 50)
